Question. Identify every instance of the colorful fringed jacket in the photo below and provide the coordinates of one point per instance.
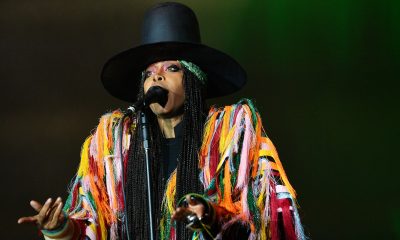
(240, 171)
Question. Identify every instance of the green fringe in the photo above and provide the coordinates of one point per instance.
(253, 208)
(221, 181)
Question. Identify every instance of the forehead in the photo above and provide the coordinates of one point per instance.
(160, 64)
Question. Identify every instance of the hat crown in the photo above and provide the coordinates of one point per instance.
(170, 22)
(171, 31)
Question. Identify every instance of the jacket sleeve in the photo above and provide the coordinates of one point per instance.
(95, 201)
(242, 175)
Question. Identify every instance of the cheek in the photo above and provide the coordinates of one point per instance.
(180, 93)
(146, 86)
(180, 89)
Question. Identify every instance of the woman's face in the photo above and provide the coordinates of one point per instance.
(168, 75)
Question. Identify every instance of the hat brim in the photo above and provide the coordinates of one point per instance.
(121, 74)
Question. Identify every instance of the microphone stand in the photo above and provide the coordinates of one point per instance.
(145, 138)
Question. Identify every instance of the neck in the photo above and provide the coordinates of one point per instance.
(167, 125)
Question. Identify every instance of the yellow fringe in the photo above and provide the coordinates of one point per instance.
(222, 150)
(103, 228)
(273, 153)
(100, 146)
(83, 169)
(224, 128)
(170, 193)
(265, 184)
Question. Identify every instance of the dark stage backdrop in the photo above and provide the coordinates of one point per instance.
(324, 75)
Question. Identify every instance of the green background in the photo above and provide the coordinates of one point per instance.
(324, 75)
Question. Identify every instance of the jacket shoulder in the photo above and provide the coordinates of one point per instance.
(246, 104)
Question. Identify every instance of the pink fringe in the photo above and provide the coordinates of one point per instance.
(245, 206)
(93, 146)
(238, 130)
(244, 171)
(117, 154)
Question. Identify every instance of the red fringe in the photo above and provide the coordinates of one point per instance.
(288, 226)
(120, 196)
(125, 160)
(80, 227)
(172, 234)
(214, 152)
(281, 227)
(126, 165)
(236, 113)
(92, 166)
(75, 195)
(274, 224)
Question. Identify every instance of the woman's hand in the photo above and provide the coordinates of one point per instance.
(50, 215)
(198, 215)
(190, 207)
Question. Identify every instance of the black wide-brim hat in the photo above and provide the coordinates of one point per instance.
(170, 31)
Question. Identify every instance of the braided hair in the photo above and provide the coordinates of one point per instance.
(187, 169)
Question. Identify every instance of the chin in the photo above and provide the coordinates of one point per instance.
(157, 109)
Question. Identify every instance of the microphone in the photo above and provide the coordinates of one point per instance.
(155, 94)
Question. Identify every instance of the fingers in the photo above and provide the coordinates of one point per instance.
(31, 219)
(42, 216)
(49, 215)
(53, 208)
(54, 216)
(57, 212)
(190, 205)
(36, 205)
(188, 217)
(57, 217)
(180, 214)
(195, 206)
(191, 200)
(26, 220)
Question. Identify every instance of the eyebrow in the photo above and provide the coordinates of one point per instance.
(151, 67)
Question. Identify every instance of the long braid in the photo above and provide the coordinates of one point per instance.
(136, 190)
(188, 165)
(187, 172)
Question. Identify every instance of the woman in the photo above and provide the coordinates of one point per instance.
(215, 176)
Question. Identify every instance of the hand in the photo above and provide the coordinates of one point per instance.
(197, 213)
(190, 207)
(50, 215)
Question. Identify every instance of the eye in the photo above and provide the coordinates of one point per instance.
(147, 74)
(173, 68)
